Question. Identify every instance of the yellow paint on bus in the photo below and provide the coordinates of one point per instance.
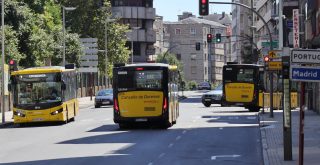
(140, 103)
(65, 111)
(239, 92)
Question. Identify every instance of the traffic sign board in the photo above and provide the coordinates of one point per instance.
(306, 56)
(272, 54)
(275, 65)
(307, 74)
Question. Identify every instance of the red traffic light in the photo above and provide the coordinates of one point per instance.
(12, 62)
(266, 59)
(203, 7)
(209, 37)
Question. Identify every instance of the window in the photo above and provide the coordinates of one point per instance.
(193, 31)
(179, 57)
(178, 31)
(193, 70)
(193, 56)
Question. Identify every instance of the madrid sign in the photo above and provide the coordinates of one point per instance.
(305, 74)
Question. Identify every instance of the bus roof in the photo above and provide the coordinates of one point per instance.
(38, 70)
(172, 67)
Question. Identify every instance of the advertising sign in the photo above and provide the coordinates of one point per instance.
(296, 29)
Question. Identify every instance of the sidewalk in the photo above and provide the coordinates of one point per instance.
(272, 138)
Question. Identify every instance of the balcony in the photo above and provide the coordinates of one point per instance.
(134, 12)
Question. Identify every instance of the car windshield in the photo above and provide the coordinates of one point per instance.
(219, 87)
(105, 92)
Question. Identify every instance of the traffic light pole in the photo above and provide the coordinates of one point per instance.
(2, 65)
(271, 46)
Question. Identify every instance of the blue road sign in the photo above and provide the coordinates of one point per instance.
(307, 74)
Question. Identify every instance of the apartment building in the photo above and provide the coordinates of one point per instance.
(199, 65)
(242, 29)
(140, 16)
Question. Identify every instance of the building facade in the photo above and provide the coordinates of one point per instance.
(242, 29)
(198, 65)
(140, 16)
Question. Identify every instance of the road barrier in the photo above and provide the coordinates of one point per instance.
(277, 100)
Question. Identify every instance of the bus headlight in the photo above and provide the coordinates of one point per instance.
(19, 113)
(56, 112)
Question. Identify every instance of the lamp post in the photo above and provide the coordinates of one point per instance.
(133, 28)
(2, 65)
(106, 46)
(64, 31)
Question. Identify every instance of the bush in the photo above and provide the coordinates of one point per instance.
(191, 85)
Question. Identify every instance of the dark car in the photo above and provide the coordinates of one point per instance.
(103, 97)
(204, 85)
(212, 97)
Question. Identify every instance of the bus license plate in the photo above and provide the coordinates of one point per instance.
(141, 120)
(37, 119)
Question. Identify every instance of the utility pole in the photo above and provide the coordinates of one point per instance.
(2, 65)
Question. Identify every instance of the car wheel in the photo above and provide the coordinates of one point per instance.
(207, 104)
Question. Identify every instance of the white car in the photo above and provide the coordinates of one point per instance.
(212, 97)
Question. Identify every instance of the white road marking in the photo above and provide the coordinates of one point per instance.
(178, 137)
(184, 132)
(161, 155)
(252, 117)
(150, 163)
(221, 128)
(224, 156)
(170, 145)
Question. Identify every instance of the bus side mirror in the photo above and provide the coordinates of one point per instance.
(63, 86)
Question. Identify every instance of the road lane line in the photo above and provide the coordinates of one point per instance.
(161, 155)
(170, 145)
(184, 132)
(150, 163)
(178, 137)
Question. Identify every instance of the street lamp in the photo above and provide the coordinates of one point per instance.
(106, 45)
(64, 31)
(133, 28)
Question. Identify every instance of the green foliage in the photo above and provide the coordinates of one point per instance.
(172, 60)
(191, 85)
(11, 44)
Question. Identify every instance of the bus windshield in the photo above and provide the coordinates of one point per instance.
(239, 75)
(147, 79)
(38, 88)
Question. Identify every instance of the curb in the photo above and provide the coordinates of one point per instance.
(5, 125)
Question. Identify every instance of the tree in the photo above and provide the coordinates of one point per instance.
(171, 59)
(89, 20)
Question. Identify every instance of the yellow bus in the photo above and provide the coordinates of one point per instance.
(44, 94)
(146, 92)
(241, 85)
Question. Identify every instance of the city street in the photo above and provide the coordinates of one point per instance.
(214, 135)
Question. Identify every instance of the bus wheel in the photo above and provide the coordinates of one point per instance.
(166, 125)
(207, 104)
(67, 117)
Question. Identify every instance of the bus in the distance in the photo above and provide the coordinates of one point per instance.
(145, 93)
(44, 94)
(241, 85)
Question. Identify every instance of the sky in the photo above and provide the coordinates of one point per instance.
(170, 9)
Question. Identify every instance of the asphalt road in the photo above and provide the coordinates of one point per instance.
(214, 135)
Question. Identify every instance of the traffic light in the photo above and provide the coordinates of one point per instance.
(197, 45)
(209, 38)
(203, 7)
(13, 65)
(266, 59)
(218, 37)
